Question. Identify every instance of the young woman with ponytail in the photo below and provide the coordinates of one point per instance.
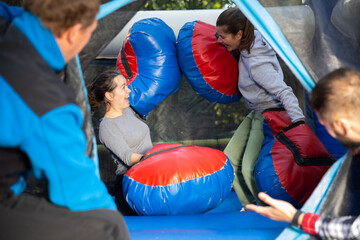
(261, 83)
(125, 136)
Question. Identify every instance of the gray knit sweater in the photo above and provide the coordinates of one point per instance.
(123, 136)
(261, 81)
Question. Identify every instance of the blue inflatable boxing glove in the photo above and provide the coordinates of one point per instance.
(211, 70)
(148, 61)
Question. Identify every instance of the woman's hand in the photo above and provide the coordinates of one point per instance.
(135, 158)
(278, 210)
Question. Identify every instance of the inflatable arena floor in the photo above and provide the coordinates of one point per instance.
(227, 221)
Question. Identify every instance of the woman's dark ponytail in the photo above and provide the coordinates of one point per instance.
(92, 100)
(248, 37)
(96, 90)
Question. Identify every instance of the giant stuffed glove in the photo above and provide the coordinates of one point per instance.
(211, 70)
(148, 61)
(292, 160)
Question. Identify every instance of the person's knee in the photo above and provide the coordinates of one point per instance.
(235, 163)
(114, 223)
(120, 230)
(247, 171)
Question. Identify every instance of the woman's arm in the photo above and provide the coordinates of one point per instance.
(115, 142)
(265, 70)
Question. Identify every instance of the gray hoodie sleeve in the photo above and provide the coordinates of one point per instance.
(267, 75)
(266, 71)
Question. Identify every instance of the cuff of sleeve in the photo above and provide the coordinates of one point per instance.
(308, 223)
(298, 119)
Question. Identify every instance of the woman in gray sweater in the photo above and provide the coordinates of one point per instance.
(125, 136)
(261, 83)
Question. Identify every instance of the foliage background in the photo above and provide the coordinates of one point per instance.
(184, 4)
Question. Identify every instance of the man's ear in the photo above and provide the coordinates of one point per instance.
(73, 33)
(342, 126)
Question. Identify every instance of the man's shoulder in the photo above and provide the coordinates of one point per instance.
(28, 74)
(8, 13)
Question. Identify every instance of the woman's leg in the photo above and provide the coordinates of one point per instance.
(251, 154)
(235, 151)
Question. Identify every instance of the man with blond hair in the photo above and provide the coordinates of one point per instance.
(40, 127)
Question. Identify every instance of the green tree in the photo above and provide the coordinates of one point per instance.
(184, 4)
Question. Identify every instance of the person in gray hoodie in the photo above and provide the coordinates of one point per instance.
(261, 83)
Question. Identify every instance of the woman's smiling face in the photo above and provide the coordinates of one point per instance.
(121, 93)
(230, 41)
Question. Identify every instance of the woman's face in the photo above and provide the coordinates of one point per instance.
(120, 95)
(230, 41)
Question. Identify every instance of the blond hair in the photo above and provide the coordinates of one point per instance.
(337, 94)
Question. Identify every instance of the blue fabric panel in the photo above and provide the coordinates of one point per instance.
(197, 195)
(42, 39)
(192, 72)
(265, 176)
(19, 187)
(60, 167)
(159, 74)
(331, 144)
(67, 164)
(9, 13)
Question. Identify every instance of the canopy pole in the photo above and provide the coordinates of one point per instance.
(111, 6)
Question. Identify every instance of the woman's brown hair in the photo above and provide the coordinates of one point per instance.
(234, 21)
(96, 90)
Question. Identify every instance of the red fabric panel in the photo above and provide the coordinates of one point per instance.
(177, 165)
(218, 67)
(298, 181)
(131, 59)
(161, 147)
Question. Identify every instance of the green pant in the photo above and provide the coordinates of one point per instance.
(243, 150)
